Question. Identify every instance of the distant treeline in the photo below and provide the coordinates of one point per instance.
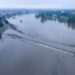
(62, 16)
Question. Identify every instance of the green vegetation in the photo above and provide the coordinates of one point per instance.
(1, 23)
(71, 18)
(57, 15)
(72, 45)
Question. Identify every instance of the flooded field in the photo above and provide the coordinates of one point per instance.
(51, 33)
(37, 46)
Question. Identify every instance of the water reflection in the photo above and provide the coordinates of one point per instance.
(45, 16)
(71, 25)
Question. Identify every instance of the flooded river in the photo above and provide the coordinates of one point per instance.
(37, 47)
(48, 32)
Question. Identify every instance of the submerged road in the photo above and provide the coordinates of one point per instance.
(29, 58)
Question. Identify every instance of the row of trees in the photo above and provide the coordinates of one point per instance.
(57, 15)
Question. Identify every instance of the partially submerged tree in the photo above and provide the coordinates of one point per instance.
(71, 19)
